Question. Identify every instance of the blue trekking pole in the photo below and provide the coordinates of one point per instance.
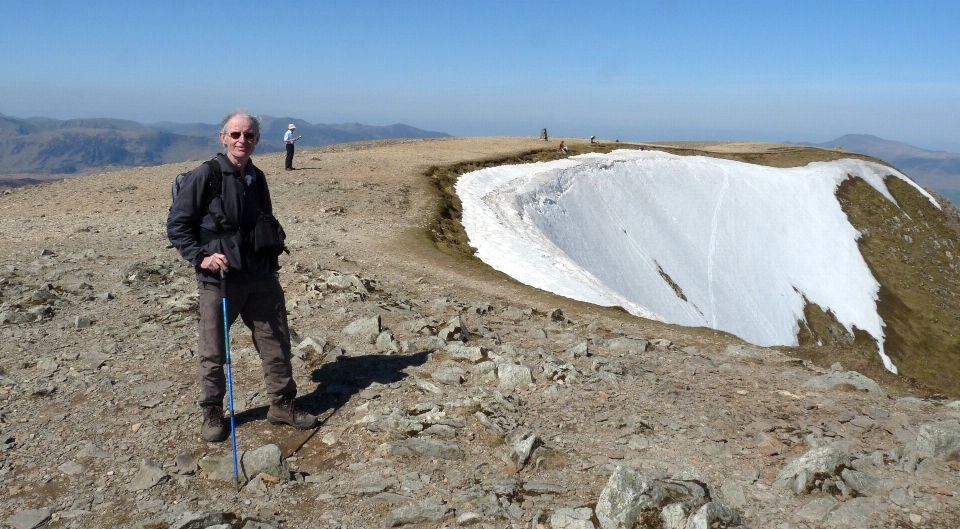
(226, 346)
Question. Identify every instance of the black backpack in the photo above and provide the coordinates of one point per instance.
(211, 191)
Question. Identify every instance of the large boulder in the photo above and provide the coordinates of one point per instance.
(846, 379)
(713, 515)
(630, 497)
(800, 474)
(934, 442)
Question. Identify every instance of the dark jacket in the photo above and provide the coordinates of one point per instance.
(225, 226)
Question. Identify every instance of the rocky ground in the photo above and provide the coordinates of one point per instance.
(450, 395)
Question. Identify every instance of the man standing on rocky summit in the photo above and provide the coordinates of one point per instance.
(215, 238)
(289, 140)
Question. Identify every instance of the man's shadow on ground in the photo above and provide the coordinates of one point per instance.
(339, 380)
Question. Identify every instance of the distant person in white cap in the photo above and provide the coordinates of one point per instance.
(289, 139)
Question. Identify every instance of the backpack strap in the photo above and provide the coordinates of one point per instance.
(261, 188)
(214, 187)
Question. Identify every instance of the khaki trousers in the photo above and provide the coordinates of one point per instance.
(261, 306)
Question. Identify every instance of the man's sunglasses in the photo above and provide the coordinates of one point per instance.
(246, 135)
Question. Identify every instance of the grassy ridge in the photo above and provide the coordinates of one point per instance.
(913, 252)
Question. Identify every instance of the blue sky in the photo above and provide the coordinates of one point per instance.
(657, 70)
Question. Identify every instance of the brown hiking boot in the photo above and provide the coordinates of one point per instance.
(288, 411)
(214, 429)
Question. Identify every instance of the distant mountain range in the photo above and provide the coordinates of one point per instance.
(36, 149)
(44, 146)
(938, 170)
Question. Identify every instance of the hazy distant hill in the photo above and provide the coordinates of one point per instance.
(938, 170)
(319, 134)
(314, 135)
(47, 146)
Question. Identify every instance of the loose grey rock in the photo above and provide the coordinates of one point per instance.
(199, 520)
(258, 524)
(454, 330)
(938, 443)
(418, 513)
(428, 387)
(743, 351)
(442, 431)
(469, 518)
(337, 281)
(92, 450)
(512, 375)
(639, 442)
(543, 487)
(71, 468)
(151, 389)
(452, 376)
(674, 516)
(471, 354)
(911, 403)
(480, 307)
(578, 351)
(185, 464)
(715, 514)
(265, 460)
(635, 345)
(429, 448)
(625, 498)
(853, 512)
(93, 359)
(309, 346)
(852, 378)
(151, 506)
(396, 422)
(537, 334)
(389, 498)
(368, 328)
(386, 343)
(47, 366)
(864, 484)
(733, 494)
(826, 460)
(817, 510)
(579, 518)
(372, 483)
(29, 519)
(899, 497)
(522, 448)
(149, 475)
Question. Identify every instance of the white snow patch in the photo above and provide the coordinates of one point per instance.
(744, 243)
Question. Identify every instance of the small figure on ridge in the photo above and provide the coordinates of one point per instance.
(289, 139)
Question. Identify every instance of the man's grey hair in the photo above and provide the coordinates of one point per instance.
(242, 114)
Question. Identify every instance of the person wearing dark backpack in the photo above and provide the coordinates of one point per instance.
(214, 235)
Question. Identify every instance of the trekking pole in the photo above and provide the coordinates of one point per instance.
(226, 346)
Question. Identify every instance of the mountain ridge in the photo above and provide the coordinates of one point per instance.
(938, 170)
(46, 146)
